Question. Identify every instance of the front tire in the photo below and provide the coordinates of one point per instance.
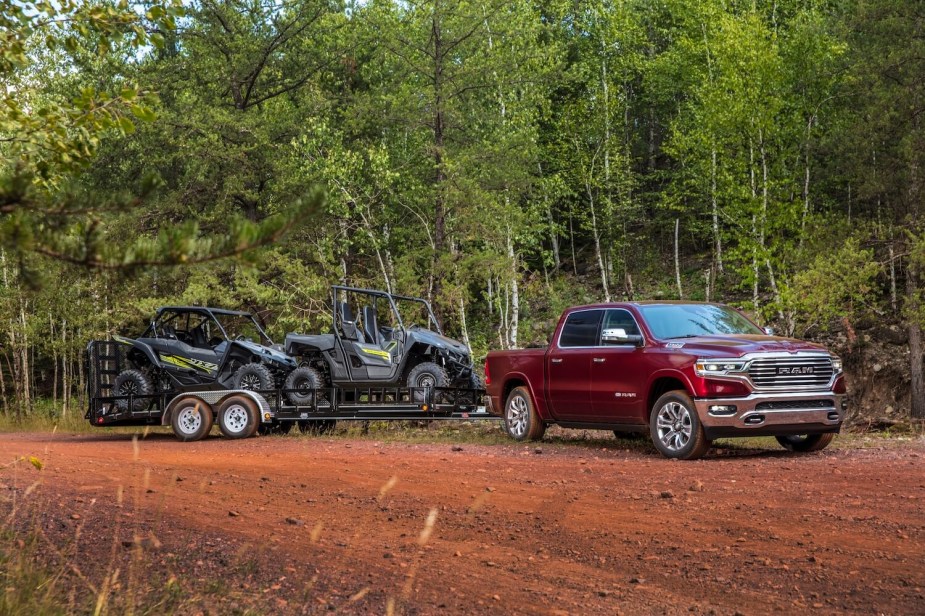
(521, 421)
(132, 383)
(804, 443)
(191, 419)
(675, 427)
(252, 377)
(238, 417)
(307, 381)
(425, 376)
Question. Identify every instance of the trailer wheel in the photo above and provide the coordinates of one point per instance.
(306, 380)
(252, 377)
(132, 383)
(806, 442)
(425, 376)
(238, 417)
(191, 419)
(521, 421)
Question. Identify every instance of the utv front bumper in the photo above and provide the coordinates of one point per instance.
(772, 414)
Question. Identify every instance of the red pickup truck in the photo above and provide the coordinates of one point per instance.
(686, 373)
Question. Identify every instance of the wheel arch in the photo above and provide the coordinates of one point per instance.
(517, 379)
(661, 383)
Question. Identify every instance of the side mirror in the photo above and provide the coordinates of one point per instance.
(769, 331)
(619, 336)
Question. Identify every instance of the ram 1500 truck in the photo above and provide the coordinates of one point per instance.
(685, 373)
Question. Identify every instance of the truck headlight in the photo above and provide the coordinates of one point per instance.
(718, 367)
(836, 364)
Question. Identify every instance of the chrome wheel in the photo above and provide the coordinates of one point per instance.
(235, 418)
(517, 416)
(674, 426)
(189, 419)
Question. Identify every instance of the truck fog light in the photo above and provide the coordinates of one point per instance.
(722, 409)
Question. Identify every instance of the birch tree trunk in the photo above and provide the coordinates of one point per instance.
(677, 259)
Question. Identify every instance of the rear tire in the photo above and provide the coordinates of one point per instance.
(135, 383)
(308, 381)
(427, 375)
(675, 427)
(238, 417)
(191, 419)
(804, 443)
(252, 377)
(521, 421)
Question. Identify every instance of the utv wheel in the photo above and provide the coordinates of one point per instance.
(426, 376)
(306, 381)
(521, 421)
(132, 383)
(191, 419)
(675, 428)
(238, 417)
(806, 442)
(252, 377)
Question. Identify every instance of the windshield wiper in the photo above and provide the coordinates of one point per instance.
(684, 336)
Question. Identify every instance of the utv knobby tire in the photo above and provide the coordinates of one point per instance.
(427, 375)
(521, 421)
(307, 381)
(238, 417)
(191, 419)
(806, 442)
(132, 382)
(252, 377)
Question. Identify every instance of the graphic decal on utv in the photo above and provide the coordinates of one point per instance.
(376, 352)
(189, 362)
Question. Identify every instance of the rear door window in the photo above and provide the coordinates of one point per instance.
(580, 329)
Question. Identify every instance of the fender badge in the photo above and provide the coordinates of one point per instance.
(674, 345)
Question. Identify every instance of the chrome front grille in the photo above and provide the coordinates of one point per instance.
(793, 371)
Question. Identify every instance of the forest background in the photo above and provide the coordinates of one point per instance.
(503, 158)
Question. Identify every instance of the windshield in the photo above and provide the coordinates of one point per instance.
(240, 326)
(687, 320)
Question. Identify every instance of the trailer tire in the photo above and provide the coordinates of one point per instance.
(252, 377)
(132, 382)
(307, 381)
(424, 376)
(238, 417)
(521, 421)
(191, 419)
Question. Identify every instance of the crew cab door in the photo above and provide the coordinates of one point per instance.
(618, 373)
(568, 366)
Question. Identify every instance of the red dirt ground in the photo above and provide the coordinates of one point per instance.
(318, 525)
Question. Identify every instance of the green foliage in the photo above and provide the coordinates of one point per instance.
(838, 285)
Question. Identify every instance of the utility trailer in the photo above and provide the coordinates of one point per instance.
(243, 413)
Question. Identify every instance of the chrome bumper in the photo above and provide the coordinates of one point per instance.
(772, 414)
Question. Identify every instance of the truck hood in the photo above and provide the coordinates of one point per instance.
(739, 345)
(441, 342)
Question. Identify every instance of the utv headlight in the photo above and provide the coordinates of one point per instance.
(718, 367)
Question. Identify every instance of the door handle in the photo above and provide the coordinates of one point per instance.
(599, 360)
(556, 360)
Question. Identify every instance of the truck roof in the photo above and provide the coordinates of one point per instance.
(650, 302)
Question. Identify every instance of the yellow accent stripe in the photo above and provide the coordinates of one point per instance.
(383, 354)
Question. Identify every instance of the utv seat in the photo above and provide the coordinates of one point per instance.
(348, 324)
(198, 338)
(370, 326)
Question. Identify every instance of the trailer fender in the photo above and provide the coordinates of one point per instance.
(214, 399)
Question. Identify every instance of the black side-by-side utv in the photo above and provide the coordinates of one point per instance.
(191, 347)
(380, 339)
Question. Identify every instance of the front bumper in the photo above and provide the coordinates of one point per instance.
(772, 414)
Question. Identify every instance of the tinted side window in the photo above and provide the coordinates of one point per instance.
(621, 319)
(580, 329)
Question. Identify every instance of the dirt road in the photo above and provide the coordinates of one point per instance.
(314, 525)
